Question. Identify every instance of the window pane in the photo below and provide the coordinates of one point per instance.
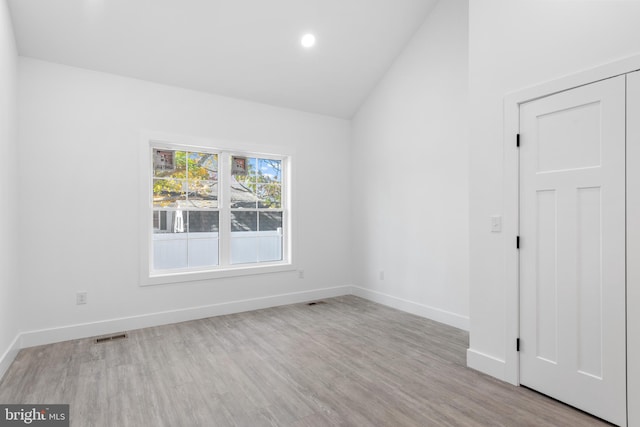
(159, 221)
(244, 250)
(243, 195)
(166, 222)
(244, 221)
(169, 251)
(269, 170)
(269, 196)
(169, 163)
(243, 184)
(244, 169)
(269, 248)
(168, 193)
(203, 222)
(203, 252)
(270, 221)
(203, 166)
(203, 194)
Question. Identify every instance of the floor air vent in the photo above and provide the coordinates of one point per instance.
(111, 338)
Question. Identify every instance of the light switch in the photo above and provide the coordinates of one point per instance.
(496, 224)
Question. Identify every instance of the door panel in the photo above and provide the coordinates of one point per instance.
(572, 252)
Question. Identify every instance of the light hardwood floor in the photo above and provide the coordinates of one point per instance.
(347, 362)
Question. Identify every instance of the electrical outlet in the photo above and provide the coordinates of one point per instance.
(381, 274)
(300, 274)
(81, 298)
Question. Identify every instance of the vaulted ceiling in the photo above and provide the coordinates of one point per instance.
(247, 49)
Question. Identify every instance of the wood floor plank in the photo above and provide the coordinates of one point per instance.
(346, 362)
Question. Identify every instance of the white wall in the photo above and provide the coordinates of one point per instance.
(9, 288)
(409, 170)
(513, 45)
(79, 138)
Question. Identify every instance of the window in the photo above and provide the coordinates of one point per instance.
(186, 218)
(215, 210)
(256, 210)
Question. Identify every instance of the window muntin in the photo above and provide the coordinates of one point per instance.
(216, 209)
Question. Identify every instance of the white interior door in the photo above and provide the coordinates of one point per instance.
(572, 248)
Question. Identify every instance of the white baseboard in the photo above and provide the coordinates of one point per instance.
(85, 330)
(7, 358)
(489, 365)
(422, 310)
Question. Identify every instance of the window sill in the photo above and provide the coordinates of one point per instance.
(231, 271)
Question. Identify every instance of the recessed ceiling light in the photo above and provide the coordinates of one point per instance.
(308, 40)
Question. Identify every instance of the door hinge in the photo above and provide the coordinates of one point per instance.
(517, 344)
(517, 140)
(517, 242)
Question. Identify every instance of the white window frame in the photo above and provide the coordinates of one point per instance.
(149, 276)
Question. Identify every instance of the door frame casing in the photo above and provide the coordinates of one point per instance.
(511, 220)
(633, 250)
